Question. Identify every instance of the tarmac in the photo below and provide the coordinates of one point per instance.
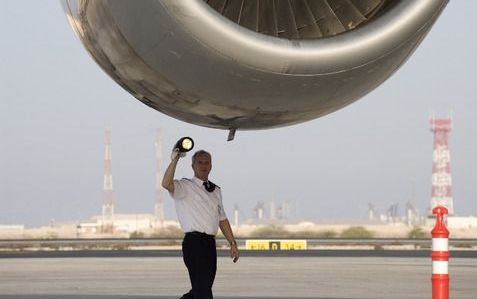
(260, 277)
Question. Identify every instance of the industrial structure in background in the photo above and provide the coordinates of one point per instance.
(441, 194)
(107, 220)
(159, 205)
(273, 215)
(411, 216)
(441, 174)
(441, 189)
(111, 223)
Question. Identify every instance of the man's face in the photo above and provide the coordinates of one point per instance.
(202, 166)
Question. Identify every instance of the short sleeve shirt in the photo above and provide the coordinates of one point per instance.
(197, 209)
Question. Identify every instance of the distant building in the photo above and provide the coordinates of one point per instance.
(8, 231)
(125, 224)
(461, 222)
(13, 227)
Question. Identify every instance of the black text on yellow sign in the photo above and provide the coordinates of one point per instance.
(275, 244)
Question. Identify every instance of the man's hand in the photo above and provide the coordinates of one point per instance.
(234, 252)
(227, 231)
(176, 154)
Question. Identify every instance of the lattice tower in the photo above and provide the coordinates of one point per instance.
(108, 206)
(441, 173)
(159, 205)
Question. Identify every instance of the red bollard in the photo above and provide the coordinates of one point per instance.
(440, 256)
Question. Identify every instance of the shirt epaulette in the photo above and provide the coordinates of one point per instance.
(187, 179)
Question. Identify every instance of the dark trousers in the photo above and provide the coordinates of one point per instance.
(200, 258)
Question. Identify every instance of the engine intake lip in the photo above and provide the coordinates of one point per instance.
(300, 19)
(335, 54)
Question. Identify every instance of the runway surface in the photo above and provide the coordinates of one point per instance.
(252, 277)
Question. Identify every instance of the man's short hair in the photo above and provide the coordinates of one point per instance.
(200, 152)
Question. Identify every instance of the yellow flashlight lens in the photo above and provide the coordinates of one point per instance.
(187, 144)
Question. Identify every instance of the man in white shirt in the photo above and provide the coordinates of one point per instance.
(201, 213)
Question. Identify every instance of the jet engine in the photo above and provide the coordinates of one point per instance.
(250, 64)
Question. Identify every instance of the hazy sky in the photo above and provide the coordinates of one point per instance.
(55, 103)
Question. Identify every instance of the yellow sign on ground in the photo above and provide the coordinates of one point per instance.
(275, 244)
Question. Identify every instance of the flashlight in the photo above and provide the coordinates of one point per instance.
(184, 144)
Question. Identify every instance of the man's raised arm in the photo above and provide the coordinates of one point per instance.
(168, 179)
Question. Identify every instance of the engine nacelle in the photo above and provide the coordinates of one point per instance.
(257, 64)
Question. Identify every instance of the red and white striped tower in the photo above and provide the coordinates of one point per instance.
(159, 205)
(107, 224)
(440, 256)
(441, 174)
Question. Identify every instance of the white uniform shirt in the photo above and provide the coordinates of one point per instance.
(197, 209)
